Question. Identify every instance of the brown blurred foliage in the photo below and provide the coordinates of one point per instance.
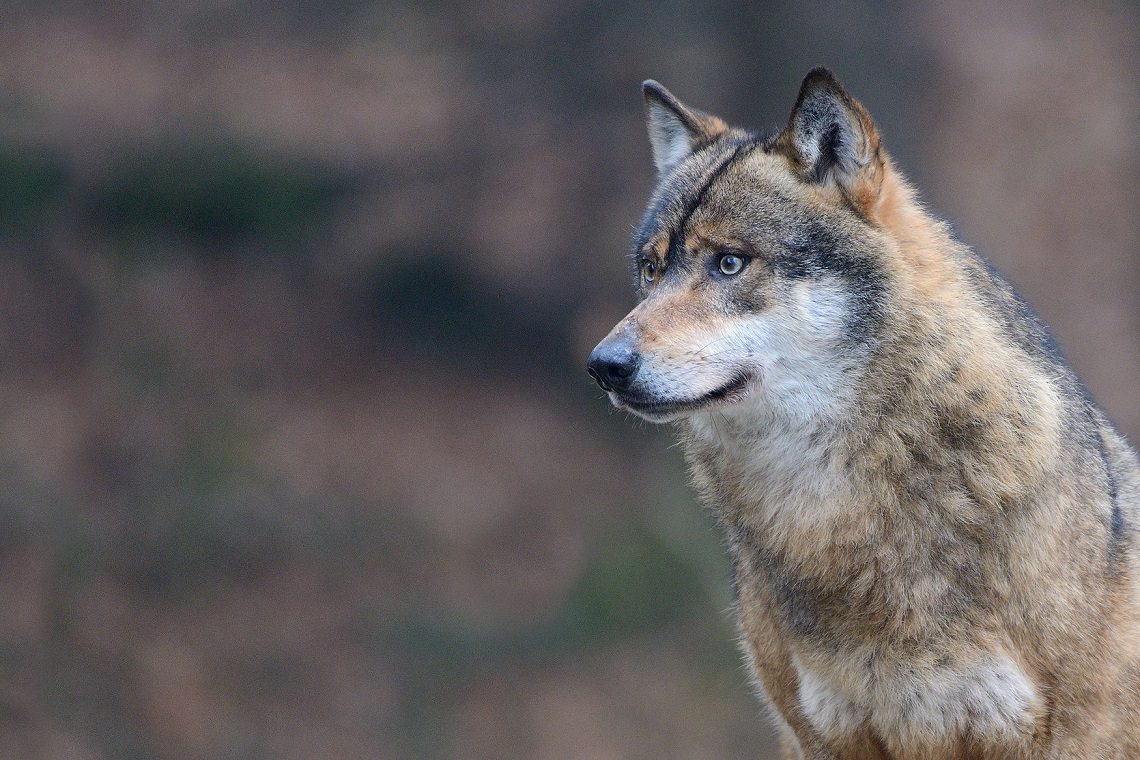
(298, 457)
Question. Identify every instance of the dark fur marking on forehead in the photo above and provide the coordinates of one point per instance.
(666, 194)
(815, 251)
(690, 197)
(676, 235)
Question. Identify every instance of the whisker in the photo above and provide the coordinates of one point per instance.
(714, 340)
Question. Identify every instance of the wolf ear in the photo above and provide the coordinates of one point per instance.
(831, 137)
(675, 130)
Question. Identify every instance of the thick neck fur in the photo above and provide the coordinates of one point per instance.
(908, 457)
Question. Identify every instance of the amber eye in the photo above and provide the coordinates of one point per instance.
(730, 264)
(648, 271)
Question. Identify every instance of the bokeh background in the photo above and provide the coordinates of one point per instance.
(298, 458)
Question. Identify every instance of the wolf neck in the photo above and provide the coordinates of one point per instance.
(945, 426)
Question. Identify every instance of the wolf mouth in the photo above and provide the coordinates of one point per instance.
(733, 390)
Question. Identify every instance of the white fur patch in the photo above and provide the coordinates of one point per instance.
(798, 351)
(832, 714)
(989, 699)
(781, 435)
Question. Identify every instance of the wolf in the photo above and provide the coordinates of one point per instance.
(931, 524)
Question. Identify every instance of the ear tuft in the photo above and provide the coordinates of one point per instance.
(675, 130)
(831, 134)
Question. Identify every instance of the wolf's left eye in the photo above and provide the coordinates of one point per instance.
(730, 264)
(648, 271)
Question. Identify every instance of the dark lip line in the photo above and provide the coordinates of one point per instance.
(727, 390)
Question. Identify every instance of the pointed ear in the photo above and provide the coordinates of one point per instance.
(675, 130)
(831, 137)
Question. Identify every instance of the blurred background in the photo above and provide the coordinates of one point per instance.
(298, 458)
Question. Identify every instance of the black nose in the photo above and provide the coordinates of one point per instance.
(614, 363)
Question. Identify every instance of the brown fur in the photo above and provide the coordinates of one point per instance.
(955, 528)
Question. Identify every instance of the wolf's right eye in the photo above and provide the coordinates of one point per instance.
(648, 271)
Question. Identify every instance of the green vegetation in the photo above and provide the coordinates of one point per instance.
(32, 187)
(218, 194)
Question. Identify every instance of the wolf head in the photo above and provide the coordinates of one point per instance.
(759, 263)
